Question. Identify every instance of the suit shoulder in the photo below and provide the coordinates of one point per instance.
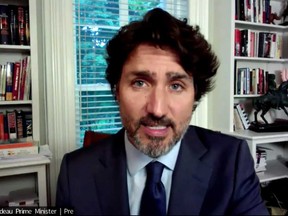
(110, 145)
(209, 135)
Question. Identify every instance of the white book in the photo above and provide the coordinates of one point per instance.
(31, 150)
(243, 116)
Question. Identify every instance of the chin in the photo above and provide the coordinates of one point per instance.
(154, 146)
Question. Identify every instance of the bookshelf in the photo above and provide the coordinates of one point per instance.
(224, 96)
(34, 104)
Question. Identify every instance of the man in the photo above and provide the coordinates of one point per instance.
(158, 68)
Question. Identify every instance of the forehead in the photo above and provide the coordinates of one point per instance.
(150, 50)
(153, 59)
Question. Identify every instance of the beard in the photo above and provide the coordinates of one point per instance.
(155, 146)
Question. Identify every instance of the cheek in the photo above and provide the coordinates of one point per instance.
(182, 109)
(131, 104)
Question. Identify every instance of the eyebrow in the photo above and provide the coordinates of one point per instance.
(169, 75)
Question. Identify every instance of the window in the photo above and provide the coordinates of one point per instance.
(95, 22)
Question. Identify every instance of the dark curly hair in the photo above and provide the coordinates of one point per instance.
(160, 29)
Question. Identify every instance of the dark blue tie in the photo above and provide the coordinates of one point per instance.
(154, 198)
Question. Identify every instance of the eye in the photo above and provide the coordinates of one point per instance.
(138, 83)
(176, 87)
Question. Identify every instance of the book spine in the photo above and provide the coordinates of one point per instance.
(21, 25)
(27, 86)
(27, 25)
(4, 26)
(6, 131)
(9, 81)
(13, 24)
(2, 136)
(22, 79)
(3, 82)
(16, 145)
(244, 42)
(28, 126)
(20, 123)
(237, 35)
(12, 127)
(16, 74)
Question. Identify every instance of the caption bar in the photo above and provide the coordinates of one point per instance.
(35, 211)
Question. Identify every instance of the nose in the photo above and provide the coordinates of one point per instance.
(157, 102)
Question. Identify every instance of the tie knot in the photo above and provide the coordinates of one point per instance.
(154, 171)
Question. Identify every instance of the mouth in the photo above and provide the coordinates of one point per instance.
(156, 131)
(156, 127)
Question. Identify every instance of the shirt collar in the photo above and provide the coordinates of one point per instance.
(137, 160)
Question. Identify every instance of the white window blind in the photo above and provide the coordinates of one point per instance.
(95, 22)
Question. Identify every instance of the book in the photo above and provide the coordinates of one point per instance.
(4, 27)
(9, 81)
(22, 78)
(16, 77)
(12, 127)
(27, 25)
(6, 132)
(16, 145)
(20, 151)
(237, 121)
(260, 163)
(13, 22)
(262, 44)
(21, 25)
(27, 85)
(23, 197)
(237, 43)
(20, 123)
(243, 116)
(244, 42)
(28, 124)
(2, 136)
(3, 83)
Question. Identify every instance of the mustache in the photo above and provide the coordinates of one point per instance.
(151, 120)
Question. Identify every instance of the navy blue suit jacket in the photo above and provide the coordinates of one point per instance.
(214, 175)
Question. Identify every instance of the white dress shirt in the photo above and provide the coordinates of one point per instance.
(136, 173)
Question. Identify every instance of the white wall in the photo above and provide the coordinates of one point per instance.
(199, 14)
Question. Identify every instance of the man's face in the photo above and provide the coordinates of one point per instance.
(156, 98)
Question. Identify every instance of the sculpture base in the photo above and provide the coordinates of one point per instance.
(284, 23)
(278, 126)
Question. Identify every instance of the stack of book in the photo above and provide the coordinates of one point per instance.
(23, 197)
(15, 124)
(261, 156)
(14, 25)
(18, 148)
(241, 120)
(15, 80)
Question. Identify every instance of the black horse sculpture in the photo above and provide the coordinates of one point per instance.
(277, 99)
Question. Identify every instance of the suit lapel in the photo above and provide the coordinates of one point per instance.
(111, 178)
(190, 177)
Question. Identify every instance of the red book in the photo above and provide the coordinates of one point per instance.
(12, 127)
(237, 42)
(16, 77)
(16, 145)
(252, 44)
(22, 79)
(261, 79)
(2, 136)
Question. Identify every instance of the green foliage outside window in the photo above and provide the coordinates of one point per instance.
(96, 21)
